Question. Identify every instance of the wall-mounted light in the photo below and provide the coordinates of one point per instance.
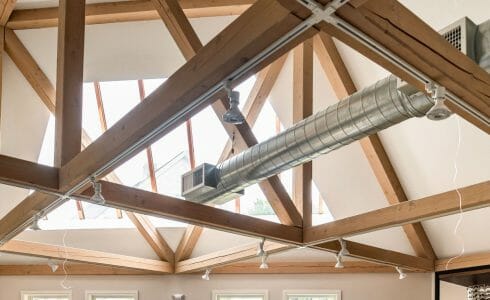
(206, 274)
(402, 274)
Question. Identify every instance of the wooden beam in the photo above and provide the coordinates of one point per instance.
(188, 242)
(473, 197)
(303, 108)
(73, 269)
(87, 256)
(20, 172)
(226, 256)
(69, 81)
(379, 255)
(350, 267)
(189, 44)
(126, 11)
(185, 211)
(404, 34)
(216, 61)
(6, 8)
(343, 86)
(30, 69)
(465, 261)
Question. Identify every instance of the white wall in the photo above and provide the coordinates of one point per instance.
(353, 286)
(451, 291)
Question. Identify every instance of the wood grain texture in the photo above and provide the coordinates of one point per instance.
(149, 203)
(473, 197)
(83, 255)
(6, 8)
(215, 61)
(403, 33)
(303, 108)
(21, 172)
(343, 86)
(126, 11)
(227, 256)
(74, 269)
(188, 242)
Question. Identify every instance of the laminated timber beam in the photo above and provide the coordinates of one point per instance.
(20, 172)
(343, 86)
(189, 44)
(86, 256)
(168, 106)
(473, 197)
(400, 31)
(149, 203)
(126, 11)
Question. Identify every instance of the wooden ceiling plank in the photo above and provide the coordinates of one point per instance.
(87, 256)
(6, 9)
(343, 86)
(185, 211)
(303, 108)
(125, 11)
(473, 197)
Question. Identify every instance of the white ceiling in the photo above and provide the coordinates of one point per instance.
(422, 152)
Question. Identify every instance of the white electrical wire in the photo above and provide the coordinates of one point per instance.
(63, 282)
(460, 198)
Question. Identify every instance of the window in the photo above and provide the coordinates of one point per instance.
(312, 295)
(111, 295)
(240, 295)
(45, 295)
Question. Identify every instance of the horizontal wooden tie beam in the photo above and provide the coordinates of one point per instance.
(27, 174)
(149, 203)
(473, 197)
(87, 256)
(126, 11)
(465, 261)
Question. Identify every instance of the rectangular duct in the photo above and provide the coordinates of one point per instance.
(461, 34)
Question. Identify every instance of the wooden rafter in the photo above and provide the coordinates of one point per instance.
(403, 33)
(6, 9)
(473, 197)
(226, 256)
(343, 86)
(126, 11)
(17, 171)
(189, 43)
(303, 108)
(144, 226)
(87, 256)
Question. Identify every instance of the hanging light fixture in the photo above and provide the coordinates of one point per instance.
(400, 271)
(233, 115)
(97, 198)
(260, 249)
(340, 263)
(53, 265)
(263, 264)
(206, 275)
(343, 248)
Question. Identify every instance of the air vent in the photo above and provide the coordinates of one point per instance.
(461, 34)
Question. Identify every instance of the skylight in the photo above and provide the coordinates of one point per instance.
(105, 103)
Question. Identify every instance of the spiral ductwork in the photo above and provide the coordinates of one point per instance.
(364, 113)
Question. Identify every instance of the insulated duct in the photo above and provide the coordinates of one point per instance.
(364, 113)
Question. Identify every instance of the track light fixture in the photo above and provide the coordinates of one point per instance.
(260, 251)
(439, 111)
(233, 115)
(35, 223)
(53, 265)
(97, 198)
(263, 264)
(400, 271)
(340, 263)
(206, 274)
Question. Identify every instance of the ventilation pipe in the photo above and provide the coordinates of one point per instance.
(364, 113)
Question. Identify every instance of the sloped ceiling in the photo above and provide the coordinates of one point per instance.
(422, 152)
